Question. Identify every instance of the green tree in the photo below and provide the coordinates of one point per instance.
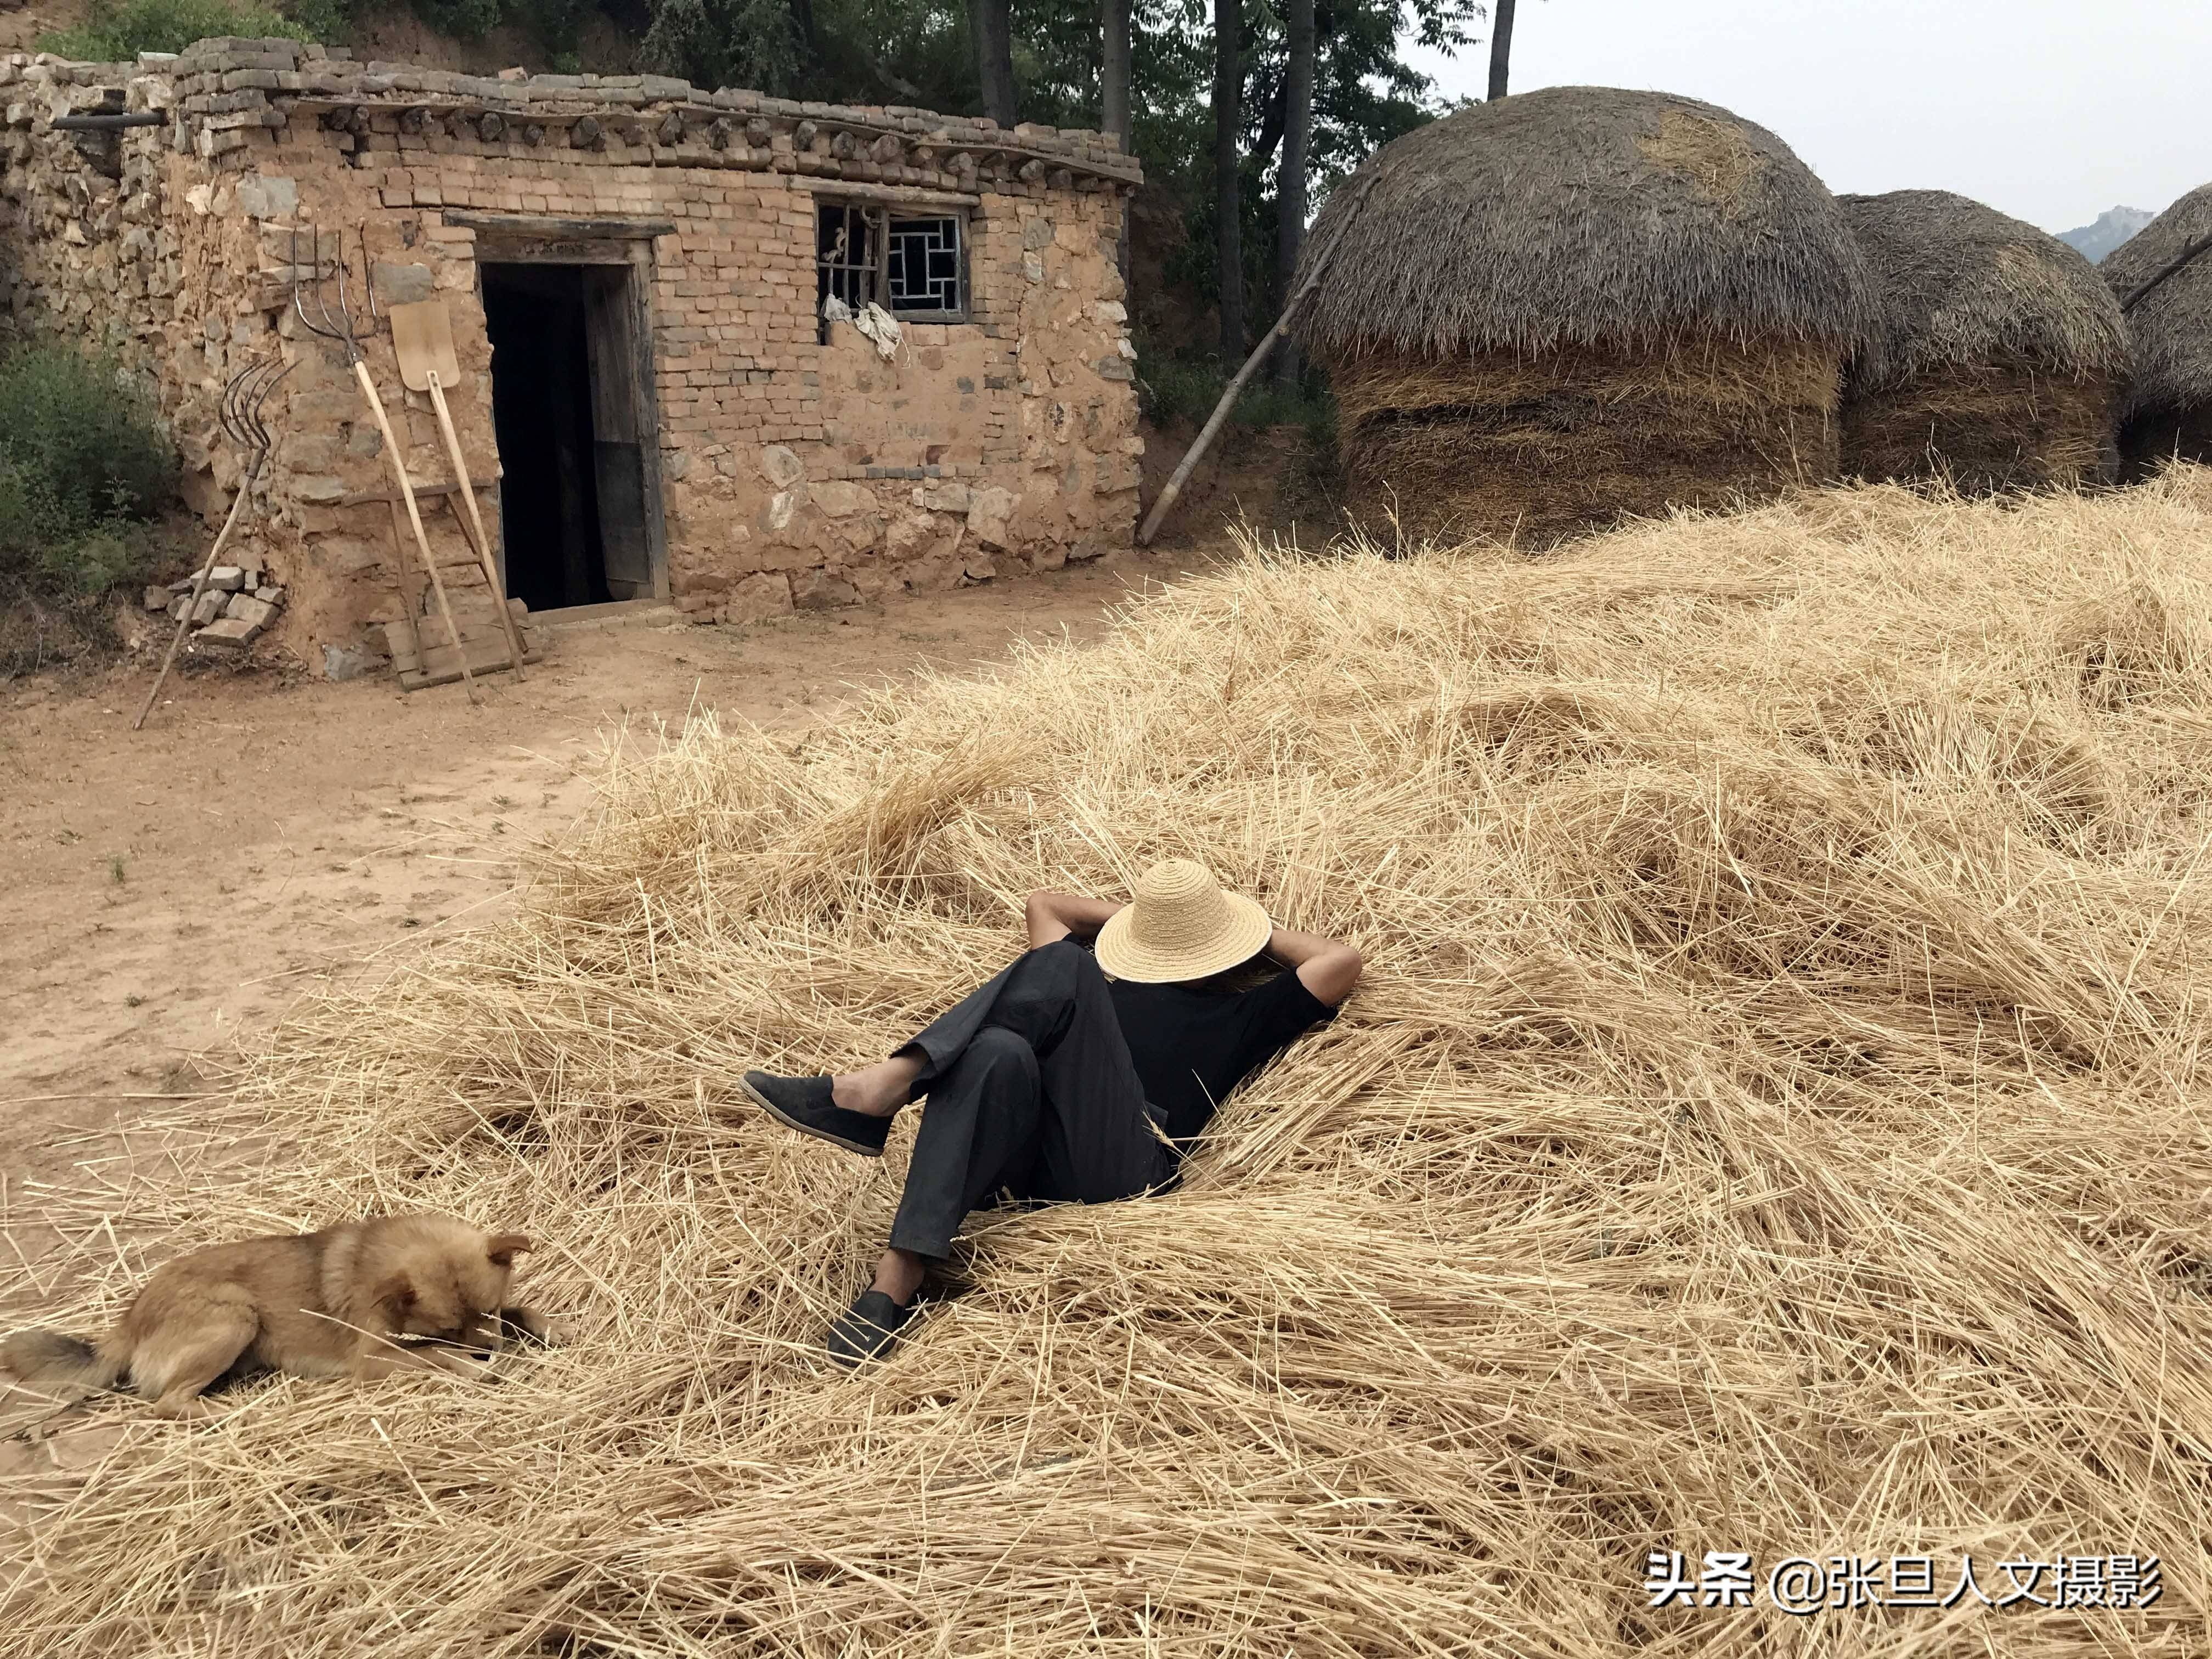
(1365, 94)
(1228, 170)
(730, 43)
(82, 466)
(1501, 48)
(991, 22)
(1291, 174)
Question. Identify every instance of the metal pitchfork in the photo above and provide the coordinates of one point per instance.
(240, 414)
(343, 329)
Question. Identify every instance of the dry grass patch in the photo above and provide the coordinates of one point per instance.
(1772, 1121)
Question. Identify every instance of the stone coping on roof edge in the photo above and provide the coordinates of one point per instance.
(218, 81)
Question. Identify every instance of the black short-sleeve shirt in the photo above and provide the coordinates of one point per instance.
(1192, 1047)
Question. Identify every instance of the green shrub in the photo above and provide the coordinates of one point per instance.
(464, 20)
(328, 20)
(83, 429)
(118, 30)
(557, 26)
(1171, 387)
(83, 469)
(116, 553)
(29, 518)
(1177, 385)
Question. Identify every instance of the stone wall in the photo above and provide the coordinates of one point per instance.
(1008, 442)
(794, 473)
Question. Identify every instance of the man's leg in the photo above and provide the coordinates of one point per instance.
(1036, 996)
(880, 1090)
(979, 1134)
(1096, 1141)
(877, 1090)
(1097, 1138)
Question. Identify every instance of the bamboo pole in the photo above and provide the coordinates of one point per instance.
(1215, 422)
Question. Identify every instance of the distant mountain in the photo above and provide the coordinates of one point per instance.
(2113, 227)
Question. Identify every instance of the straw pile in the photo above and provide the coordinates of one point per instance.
(2003, 357)
(2169, 408)
(1541, 314)
(1771, 1121)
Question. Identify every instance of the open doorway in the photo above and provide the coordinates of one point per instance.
(573, 427)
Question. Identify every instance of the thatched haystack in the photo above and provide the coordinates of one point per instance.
(2168, 412)
(1541, 314)
(2001, 358)
(1773, 1120)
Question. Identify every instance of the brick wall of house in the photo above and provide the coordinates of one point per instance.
(795, 473)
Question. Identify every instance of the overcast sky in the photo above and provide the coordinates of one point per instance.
(2050, 110)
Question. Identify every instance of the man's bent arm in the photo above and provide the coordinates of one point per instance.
(1328, 968)
(1051, 917)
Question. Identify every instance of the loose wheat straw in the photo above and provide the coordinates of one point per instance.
(1772, 1121)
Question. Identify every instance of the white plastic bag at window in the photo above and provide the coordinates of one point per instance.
(835, 310)
(880, 327)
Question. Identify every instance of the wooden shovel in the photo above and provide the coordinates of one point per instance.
(422, 335)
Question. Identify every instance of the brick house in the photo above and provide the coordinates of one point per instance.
(651, 404)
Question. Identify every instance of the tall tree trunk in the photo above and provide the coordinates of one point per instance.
(1501, 47)
(1228, 130)
(1114, 69)
(993, 25)
(1116, 30)
(1291, 194)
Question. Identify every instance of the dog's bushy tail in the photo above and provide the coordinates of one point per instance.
(52, 1359)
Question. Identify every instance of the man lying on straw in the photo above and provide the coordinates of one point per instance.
(1052, 1082)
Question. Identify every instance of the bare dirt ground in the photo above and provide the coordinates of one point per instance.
(22, 21)
(170, 892)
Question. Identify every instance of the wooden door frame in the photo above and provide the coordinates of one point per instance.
(504, 239)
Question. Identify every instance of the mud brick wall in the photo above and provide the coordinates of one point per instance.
(1007, 442)
(792, 473)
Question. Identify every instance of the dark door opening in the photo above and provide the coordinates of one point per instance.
(565, 407)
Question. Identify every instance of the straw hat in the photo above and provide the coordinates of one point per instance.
(1183, 925)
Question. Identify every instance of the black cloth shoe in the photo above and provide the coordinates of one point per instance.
(803, 1103)
(866, 1330)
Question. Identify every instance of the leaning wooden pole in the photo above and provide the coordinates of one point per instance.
(2198, 246)
(414, 520)
(193, 598)
(480, 543)
(1215, 422)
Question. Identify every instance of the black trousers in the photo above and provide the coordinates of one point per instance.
(1030, 1088)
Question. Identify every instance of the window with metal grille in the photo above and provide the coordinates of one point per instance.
(914, 268)
(848, 254)
(924, 268)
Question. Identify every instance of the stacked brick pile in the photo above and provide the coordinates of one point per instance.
(236, 606)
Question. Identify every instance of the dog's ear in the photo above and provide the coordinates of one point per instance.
(503, 1247)
(395, 1295)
